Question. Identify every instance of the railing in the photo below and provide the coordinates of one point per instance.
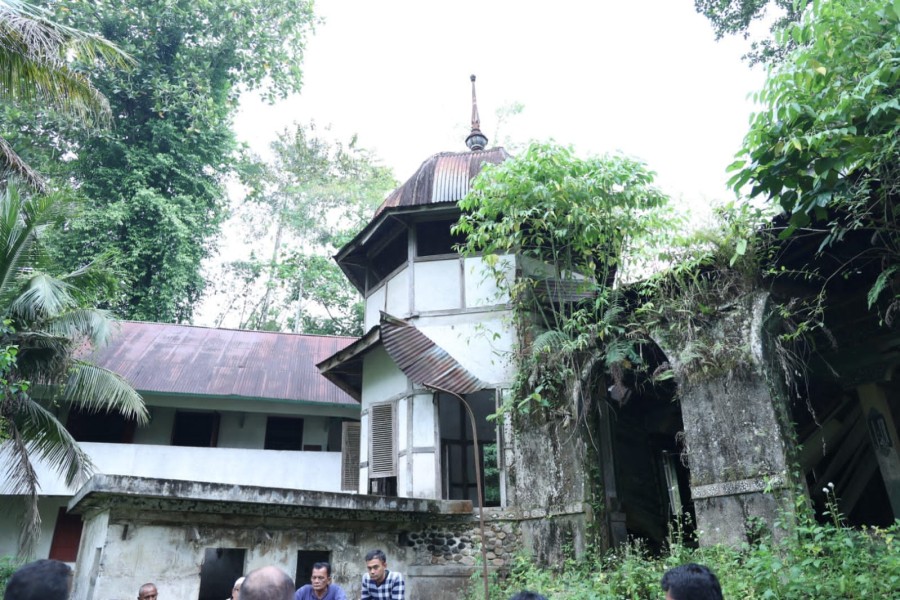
(316, 471)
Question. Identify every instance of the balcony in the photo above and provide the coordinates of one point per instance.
(314, 471)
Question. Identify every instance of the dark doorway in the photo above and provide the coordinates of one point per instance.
(305, 561)
(220, 568)
(99, 426)
(199, 429)
(457, 461)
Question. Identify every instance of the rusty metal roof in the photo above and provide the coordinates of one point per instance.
(422, 360)
(199, 361)
(444, 177)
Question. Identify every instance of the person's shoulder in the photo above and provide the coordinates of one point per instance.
(395, 576)
(303, 593)
(337, 592)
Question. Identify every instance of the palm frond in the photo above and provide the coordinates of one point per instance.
(11, 164)
(96, 388)
(22, 220)
(46, 438)
(21, 480)
(45, 297)
(34, 61)
(91, 324)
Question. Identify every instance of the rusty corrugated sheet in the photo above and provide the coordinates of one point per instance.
(444, 177)
(186, 360)
(423, 361)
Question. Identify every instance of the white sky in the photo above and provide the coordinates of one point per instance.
(644, 77)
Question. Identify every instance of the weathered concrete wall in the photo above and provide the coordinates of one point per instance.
(154, 530)
(737, 433)
(548, 476)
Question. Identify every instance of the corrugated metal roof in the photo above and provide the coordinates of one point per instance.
(186, 360)
(422, 360)
(444, 177)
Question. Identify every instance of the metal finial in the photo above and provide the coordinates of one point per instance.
(476, 139)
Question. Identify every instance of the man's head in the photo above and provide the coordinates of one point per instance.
(321, 576)
(691, 582)
(40, 580)
(147, 592)
(526, 595)
(236, 588)
(267, 583)
(376, 565)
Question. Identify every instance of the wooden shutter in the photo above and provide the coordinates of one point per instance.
(382, 444)
(350, 456)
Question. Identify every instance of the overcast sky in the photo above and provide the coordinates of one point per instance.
(645, 77)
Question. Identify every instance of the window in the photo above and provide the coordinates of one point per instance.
(350, 457)
(434, 238)
(387, 259)
(93, 426)
(305, 561)
(284, 433)
(457, 462)
(220, 568)
(66, 536)
(382, 441)
(199, 429)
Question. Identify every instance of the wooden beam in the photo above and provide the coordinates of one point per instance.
(884, 439)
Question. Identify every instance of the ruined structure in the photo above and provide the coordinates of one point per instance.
(396, 449)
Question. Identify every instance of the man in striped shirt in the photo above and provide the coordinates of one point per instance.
(379, 583)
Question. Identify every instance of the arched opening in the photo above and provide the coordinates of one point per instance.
(646, 483)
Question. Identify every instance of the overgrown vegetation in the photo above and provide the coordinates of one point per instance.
(811, 560)
(567, 223)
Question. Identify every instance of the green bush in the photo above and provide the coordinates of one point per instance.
(8, 565)
(815, 560)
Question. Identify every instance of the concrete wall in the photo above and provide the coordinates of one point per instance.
(737, 430)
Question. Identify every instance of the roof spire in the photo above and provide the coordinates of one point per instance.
(476, 139)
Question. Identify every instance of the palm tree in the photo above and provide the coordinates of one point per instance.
(35, 65)
(46, 326)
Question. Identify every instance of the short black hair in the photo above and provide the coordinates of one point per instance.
(43, 579)
(526, 595)
(692, 582)
(373, 554)
(323, 565)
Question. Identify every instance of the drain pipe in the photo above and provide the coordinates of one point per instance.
(477, 455)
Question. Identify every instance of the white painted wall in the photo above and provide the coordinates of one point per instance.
(438, 285)
(318, 471)
(375, 302)
(397, 302)
(480, 287)
(10, 512)
(480, 342)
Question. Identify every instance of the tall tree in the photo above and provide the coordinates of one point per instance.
(36, 56)
(153, 184)
(46, 321)
(735, 17)
(825, 148)
(306, 202)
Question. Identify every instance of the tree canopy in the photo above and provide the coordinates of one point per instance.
(47, 320)
(36, 65)
(735, 17)
(576, 221)
(153, 185)
(307, 201)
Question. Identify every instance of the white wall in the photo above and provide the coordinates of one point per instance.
(320, 471)
(10, 513)
(438, 285)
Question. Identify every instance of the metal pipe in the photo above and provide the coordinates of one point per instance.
(477, 454)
